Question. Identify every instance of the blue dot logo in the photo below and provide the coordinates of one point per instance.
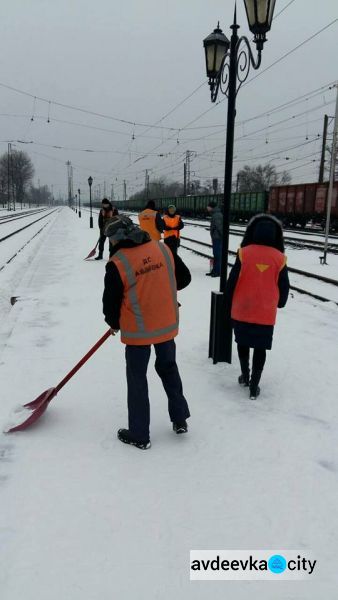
(277, 564)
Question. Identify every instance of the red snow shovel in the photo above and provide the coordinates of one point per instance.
(33, 410)
(93, 252)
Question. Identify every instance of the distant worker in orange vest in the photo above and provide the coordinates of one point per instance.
(140, 300)
(258, 284)
(150, 221)
(172, 226)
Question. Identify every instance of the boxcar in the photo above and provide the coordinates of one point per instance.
(299, 204)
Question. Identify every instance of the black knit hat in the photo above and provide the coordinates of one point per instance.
(121, 228)
(150, 204)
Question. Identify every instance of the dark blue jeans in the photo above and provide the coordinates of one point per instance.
(217, 251)
(137, 358)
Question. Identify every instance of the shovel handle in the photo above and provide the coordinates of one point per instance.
(83, 360)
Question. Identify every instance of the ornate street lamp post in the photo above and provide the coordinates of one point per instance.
(90, 182)
(79, 195)
(228, 65)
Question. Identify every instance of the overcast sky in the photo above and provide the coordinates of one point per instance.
(138, 59)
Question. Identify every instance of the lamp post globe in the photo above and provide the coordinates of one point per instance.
(79, 196)
(216, 46)
(90, 183)
(260, 15)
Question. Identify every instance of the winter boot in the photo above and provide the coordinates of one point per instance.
(126, 437)
(99, 257)
(254, 387)
(244, 378)
(180, 427)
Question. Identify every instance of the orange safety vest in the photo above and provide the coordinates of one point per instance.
(147, 220)
(256, 293)
(149, 310)
(171, 222)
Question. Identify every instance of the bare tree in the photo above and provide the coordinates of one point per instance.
(40, 195)
(16, 172)
(260, 178)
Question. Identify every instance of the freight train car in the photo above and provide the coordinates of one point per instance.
(298, 204)
(243, 205)
(295, 205)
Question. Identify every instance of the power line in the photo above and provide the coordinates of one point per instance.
(283, 9)
(287, 54)
(291, 51)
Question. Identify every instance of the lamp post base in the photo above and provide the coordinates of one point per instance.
(220, 337)
(79, 214)
(91, 225)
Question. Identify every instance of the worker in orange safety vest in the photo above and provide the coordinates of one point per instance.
(172, 226)
(258, 284)
(150, 221)
(140, 300)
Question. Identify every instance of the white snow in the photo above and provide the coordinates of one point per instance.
(84, 517)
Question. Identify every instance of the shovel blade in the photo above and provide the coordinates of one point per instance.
(91, 253)
(31, 412)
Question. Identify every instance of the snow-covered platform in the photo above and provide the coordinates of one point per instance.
(84, 517)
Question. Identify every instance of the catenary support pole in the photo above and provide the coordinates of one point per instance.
(332, 174)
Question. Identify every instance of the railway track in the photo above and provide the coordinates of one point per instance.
(243, 226)
(8, 218)
(294, 242)
(9, 235)
(9, 260)
(291, 270)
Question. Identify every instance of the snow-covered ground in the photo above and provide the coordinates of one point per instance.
(84, 517)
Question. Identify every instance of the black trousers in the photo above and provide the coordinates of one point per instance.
(101, 245)
(173, 242)
(137, 358)
(258, 360)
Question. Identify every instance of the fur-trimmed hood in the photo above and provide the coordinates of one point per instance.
(266, 230)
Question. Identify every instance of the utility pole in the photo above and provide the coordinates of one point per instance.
(104, 189)
(187, 168)
(112, 192)
(332, 175)
(9, 148)
(322, 160)
(146, 184)
(70, 183)
(124, 190)
(12, 179)
(185, 179)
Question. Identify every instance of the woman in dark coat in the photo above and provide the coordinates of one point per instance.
(258, 284)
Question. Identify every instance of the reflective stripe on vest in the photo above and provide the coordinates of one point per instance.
(256, 294)
(171, 222)
(160, 304)
(147, 220)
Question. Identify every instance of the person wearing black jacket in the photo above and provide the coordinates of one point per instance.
(216, 233)
(107, 212)
(121, 294)
(263, 233)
